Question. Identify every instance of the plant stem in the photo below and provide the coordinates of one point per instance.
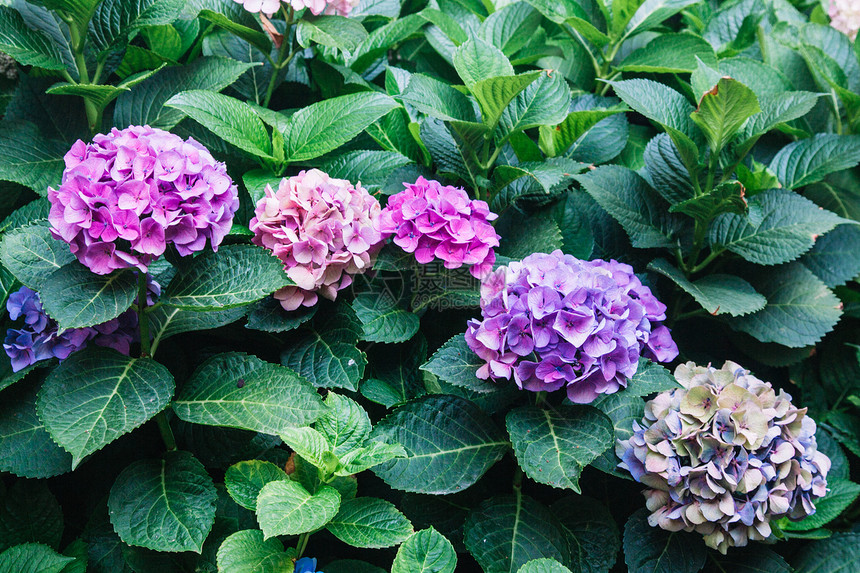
(302, 544)
(518, 480)
(285, 56)
(142, 316)
(78, 42)
(166, 432)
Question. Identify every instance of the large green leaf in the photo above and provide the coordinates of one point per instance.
(241, 391)
(753, 559)
(165, 505)
(370, 523)
(555, 141)
(450, 443)
(345, 424)
(494, 94)
(234, 276)
(27, 46)
(33, 558)
(835, 257)
(346, 34)
(800, 308)
(723, 110)
(717, 293)
(780, 227)
(29, 512)
(22, 433)
(838, 553)
(544, 102)
(657, 102)
(32, 254)
(504, 533)
(456, 364)
(226, 117)
(30, 159)
(96, 395)
(543, 566)
(591, 532)
(626, 196)
(287, 508)
(383, 319)
(511, 27)
(166, 321)
(652, 13)
(76, 297)
(244, 480)
(253, 36)
(652, 550)
(321, 127)
(776, 109)
(144, 104)
(371, 167)
(840, 494)
(426, 551)
(810, 160)
(477, 60)
(554, 446)
(670, 53)
(727, 197)
(115, 20)
(247, 552)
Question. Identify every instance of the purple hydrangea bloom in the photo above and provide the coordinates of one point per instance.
(554, 321)
(306, 565)
(40, 338)
(128, 194)
(436, 221)
(724, 455)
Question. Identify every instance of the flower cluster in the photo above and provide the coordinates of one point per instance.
(324, 230)
(845, 17)
(128, 194)
(41, 339)
(306, 565)
(724, 455)
(554, 320)
(440, 221)
(317, 7)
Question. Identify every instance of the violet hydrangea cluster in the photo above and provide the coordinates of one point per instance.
(724, 455)
(555, 321)
(306, 565)
(40, 338)
(316, 7)
(440, 221)
(128, 194)
(324, 230)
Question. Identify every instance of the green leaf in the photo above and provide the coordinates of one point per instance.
(727, 197)
(533, 235)
(144, 104)
(256, 181)
(652, 13)
(345, 34)
(717, 293)
(426, 551)
(345, 425)
(450, 443)
(438, 99)
(456, 364)
(97, 395)
(371, 167)
(670, 53)
(828, 555)
(543, 566)
(555, 141)
(510, 28)
(652, 550)
(115, 20)
(396, 378)
(723, 110)
(28, 158)
(164, 505)
(554, 446)
(321, 127)
(325, 354)
(27, 46)
(476, 60)
(247, 552)
(835, 257)
(311, 446)
(254, 37)
(840, 494)
(753, 559)
(166, 321)
(32, 558)
(244, 480)
(370, 523)
(810, 160)
(626, 196)
(80, 10)
(241, 391)
(226, 117)
(383, 319)
(781, 226)
(494, 94)
(30, 513)
(544, 102)
(777, 109)
(286, 508)
(591, 532)
(32, 254)
(269, 316)
(800, 308)
(76, 297)
(372, 455)
(504, 533)
(650, 377)
(234, 276)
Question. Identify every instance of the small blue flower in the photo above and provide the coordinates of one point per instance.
(306, 565)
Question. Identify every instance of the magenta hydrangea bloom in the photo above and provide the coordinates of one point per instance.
(324, 230)
(440, 221)
(128, 194)
(40, 338)
(725, 455)
(554, 321)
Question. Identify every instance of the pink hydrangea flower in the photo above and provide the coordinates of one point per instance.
(269, 7)
(436, 221)
(845, 16)
(323, 229)
(128, 194)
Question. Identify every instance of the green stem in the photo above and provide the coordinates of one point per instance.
(166, 432)
(142, 316)
(540, 399)
(575, 35)
(708, 260)
(197, 48)
(78, 42)
(285, 56)
(518, 481)
(302, 544)
(691, 314)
